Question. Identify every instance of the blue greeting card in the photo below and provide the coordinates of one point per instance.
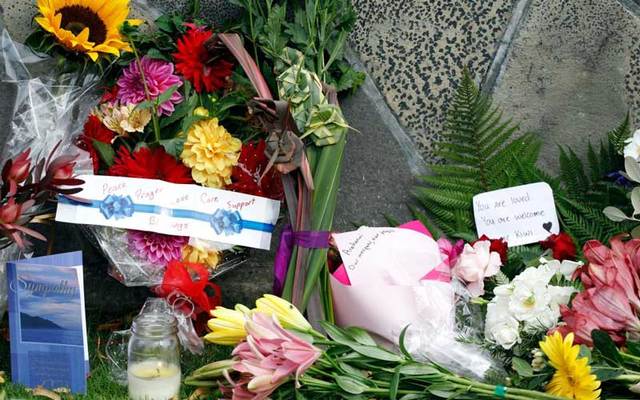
(47, 322)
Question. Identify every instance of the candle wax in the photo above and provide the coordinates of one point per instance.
(153, 380)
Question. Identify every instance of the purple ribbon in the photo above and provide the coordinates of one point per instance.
(288, 239)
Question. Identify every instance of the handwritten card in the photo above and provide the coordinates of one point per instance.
(182, 210)
(387, 255)
(520, 214)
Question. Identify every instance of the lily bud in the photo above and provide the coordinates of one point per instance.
(287, 314)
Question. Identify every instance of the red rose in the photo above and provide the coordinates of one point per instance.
(561, 245)
(497, 245)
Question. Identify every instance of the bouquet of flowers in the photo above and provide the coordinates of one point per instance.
(168, 105)
(277, 354)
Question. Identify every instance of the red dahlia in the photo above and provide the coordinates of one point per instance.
(94, 129)
(150, 164)
(194, 62)
(246, 175)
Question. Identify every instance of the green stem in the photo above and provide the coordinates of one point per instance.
(628, 378)
(473, 384)
(629, 356)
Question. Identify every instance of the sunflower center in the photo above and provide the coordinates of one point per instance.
(77, 18)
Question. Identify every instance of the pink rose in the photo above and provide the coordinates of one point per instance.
(476, 263)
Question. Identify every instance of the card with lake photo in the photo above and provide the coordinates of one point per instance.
(47, 322)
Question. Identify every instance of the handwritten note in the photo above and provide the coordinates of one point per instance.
(520, 214)
(387, 255)
(184, 210)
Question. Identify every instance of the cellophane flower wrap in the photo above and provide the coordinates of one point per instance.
(42, 110)
(170, 110)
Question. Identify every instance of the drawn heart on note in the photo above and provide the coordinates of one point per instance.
(547, 226)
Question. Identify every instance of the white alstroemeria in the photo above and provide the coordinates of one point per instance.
(632, 148)
(527, 303)
(561, 295)
(566, 268)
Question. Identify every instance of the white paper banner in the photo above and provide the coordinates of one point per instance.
(172, 209)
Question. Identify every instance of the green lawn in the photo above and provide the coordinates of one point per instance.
(100, 384)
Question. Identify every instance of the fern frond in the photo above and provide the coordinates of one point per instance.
(620, 134)
(478, 151)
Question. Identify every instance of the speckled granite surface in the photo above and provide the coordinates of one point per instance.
(415, 50)
(572, 73)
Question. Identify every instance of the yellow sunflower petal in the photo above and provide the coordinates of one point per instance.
(106, 38)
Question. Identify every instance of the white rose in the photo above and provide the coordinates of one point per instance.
(500, 326)
(632, 148)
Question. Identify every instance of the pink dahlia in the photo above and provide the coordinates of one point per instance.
(157, 248)
(159, 77)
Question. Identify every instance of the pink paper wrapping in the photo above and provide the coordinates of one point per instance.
(386, 309)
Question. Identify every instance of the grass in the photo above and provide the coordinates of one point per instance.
(100, 384)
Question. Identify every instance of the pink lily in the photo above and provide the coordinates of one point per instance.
(269, 357)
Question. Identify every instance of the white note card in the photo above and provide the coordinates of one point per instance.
(520, 215)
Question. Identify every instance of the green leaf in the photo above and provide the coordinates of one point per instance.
(394, 384)
(350, 385)
(522, 367)
(606, 347)
(361, 336)
(401, 343)
(105, 151)
(442, 390)
(606, 373)
(633, 347)
(166, 95)
(158, 55)
(417, 369)
(338, 334)
(376, 353)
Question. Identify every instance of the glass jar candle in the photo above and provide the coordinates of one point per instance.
(153, 370)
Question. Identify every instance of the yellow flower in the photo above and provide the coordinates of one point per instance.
(573, 378)
(124, 119)
(199, 255)
(227, 326)
(86, 26)
(211, 153)
(287, 314)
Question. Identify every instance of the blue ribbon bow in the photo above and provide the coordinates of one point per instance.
(116, 206)
(227, 222)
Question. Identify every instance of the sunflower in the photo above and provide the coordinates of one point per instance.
(86, 26)
(573, 378)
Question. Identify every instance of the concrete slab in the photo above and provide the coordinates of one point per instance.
(572, 72)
